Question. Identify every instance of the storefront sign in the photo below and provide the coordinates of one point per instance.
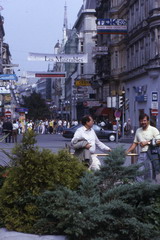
(109, 26)
(82, 82)
(21, 110)
(31, 74)
(8, 77)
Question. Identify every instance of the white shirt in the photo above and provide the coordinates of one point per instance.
(146, 135)
(59, 122)
(91, 137)
(15, 126)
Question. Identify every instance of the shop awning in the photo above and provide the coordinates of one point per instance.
(103, 111)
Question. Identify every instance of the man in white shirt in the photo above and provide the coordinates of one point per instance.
(86, 132)
(143, 138)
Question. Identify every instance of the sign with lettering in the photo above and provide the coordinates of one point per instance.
(82, 82)
(61, 58)
(8, 77)
(109, 25)
(31, 74)
(21, 110)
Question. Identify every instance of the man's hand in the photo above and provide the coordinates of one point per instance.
(88, 146)
(144, 143)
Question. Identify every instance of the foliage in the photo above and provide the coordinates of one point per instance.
(32, 172)
(2, 175)
(38, 109)
(106, 206)
(43, 194)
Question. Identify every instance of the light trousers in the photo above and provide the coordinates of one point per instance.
(95, 165)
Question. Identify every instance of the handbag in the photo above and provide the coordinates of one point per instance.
(154, 156)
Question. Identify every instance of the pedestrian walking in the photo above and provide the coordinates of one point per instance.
(15, 131)
(86, 133)
(7, 129)
(51, 126)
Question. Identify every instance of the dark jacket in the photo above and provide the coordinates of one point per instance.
(7, 126)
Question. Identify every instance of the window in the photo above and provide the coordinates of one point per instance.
(82, 68)
(81, 46)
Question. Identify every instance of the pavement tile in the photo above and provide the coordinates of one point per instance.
(11, 235)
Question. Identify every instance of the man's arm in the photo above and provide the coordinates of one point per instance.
(132, 147)
(101, 145)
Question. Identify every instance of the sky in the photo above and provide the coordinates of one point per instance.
(35, 26)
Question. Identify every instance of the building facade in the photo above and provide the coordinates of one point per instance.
(134, 57)
(82, 40)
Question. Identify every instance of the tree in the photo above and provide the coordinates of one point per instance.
(37, 106)
(32, 172)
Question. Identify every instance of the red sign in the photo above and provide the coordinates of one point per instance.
(50, 75)
(7, 114)
(117, 114)
(154, 112)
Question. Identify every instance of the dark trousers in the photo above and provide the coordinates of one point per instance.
(8, 138)
(14, 135)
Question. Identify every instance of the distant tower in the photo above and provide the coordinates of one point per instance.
(57, 47)
(65, 26)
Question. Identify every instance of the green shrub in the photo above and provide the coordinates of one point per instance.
(3, 175)
(107, 205)
(32, 172)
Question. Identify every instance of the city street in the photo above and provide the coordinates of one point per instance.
(54, 142)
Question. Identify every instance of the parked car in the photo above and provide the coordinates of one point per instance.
(101, 133)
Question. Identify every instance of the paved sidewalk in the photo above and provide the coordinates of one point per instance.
(11, 235)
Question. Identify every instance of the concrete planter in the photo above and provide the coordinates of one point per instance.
(11, 235)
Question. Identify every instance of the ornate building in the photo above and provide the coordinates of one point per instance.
(132, 64)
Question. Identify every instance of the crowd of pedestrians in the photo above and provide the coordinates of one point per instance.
(11, 128)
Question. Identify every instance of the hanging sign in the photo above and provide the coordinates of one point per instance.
(8, 77)
(111, 26)
(61, 58)
(46, 74)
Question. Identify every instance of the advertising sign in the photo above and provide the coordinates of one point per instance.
(8, 77)
(61, 58)
(82, 82)
(111, 26)
(21, 110)
(46, 74)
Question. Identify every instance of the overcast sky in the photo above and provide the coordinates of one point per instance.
(35, 26)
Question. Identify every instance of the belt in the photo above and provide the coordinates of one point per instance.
(143, 152)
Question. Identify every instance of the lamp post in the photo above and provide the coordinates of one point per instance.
(123, 111)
